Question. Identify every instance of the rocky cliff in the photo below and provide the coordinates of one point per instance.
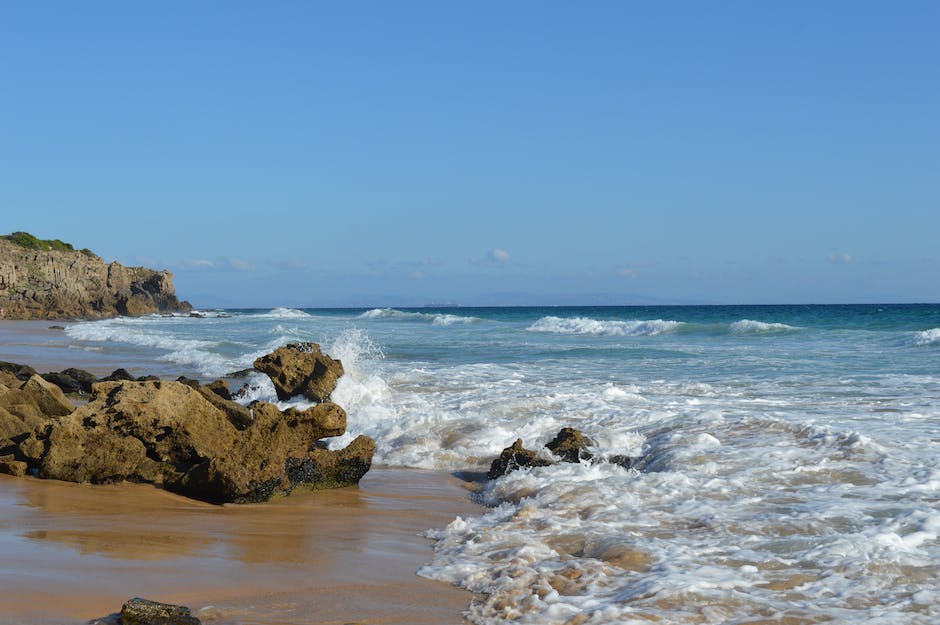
(50, 280)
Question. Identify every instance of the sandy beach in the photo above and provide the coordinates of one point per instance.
(71, 552)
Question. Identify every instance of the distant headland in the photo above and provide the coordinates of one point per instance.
(50, 279)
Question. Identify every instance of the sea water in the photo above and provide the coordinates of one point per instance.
(786, 457)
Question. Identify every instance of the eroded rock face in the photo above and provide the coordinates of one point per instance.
(301, 369)
(64, 284)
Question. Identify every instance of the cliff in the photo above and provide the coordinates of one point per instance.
(50, 280)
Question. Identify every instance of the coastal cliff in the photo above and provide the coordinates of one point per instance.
(51, 280)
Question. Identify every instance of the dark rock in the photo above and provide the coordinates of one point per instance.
(515, 457)
(571, 445)
(139, 611)
(627, 462)
(191, 383)
(84, 378)
(148, 378)
(22, 372)
(56, 327)
(301, 368)
(119, 375)
(67, 383)
(220, 388)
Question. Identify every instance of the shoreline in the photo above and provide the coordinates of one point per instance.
(74, 552)
(71, 552)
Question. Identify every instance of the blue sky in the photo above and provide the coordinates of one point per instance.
(395, 153)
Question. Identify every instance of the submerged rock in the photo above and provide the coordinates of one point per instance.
(301, 369)
(515, 457)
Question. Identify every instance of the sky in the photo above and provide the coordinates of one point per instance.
(482, 153)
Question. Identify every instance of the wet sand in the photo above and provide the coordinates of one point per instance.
(72, 552)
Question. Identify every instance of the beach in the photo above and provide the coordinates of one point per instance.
(73, 552)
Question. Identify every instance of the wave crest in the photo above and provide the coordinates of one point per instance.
(749, 326)
(927, 338)
(588, 326)
(438, 319)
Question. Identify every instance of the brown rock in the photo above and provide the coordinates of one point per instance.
(301, 369)
(11, 466)
(169, 434)
(570, 445)
(515, 457)
(48, 397)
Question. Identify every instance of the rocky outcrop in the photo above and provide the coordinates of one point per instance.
(569, 445)
(301, 369)
(139, 611)
(187, 438)
(56, 282)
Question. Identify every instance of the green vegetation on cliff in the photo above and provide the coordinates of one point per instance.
(30, 242)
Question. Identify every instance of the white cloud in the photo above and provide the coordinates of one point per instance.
(840, 258)
(497, 255)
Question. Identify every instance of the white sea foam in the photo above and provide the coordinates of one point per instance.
(438, 319)
(585, 325)
(285, 313)
(926, 338)
(748, 326)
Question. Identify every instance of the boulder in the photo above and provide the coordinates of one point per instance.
(220, 388)
(119, 375)
(84, 378)
(139, 611)
(48, 397)
(21, 372)
(191, 383)
(195, 443)
(515, 457)
(301, 369)
(67, 383)
(570, 445)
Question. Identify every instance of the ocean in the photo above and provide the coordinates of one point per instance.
(787, 466)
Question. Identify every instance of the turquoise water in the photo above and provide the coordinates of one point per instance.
(789, 453)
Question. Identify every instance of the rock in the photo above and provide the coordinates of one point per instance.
(195, 443)
(11, 466)
(139, 611)
(13, 426)
(51, 280)
(515, 457)
(220, 388)
(148, 378)
(67, 383)
(119, 375)
(47, 396)
(84, 378)
(191, 383)
(21, 372)
(56, 327)
(301, 368)
(238, 415)
(627, 462)
(571, 445)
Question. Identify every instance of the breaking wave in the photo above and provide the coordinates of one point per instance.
(748, 326)
(585, 325)
(438, 319)
(926, 338)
